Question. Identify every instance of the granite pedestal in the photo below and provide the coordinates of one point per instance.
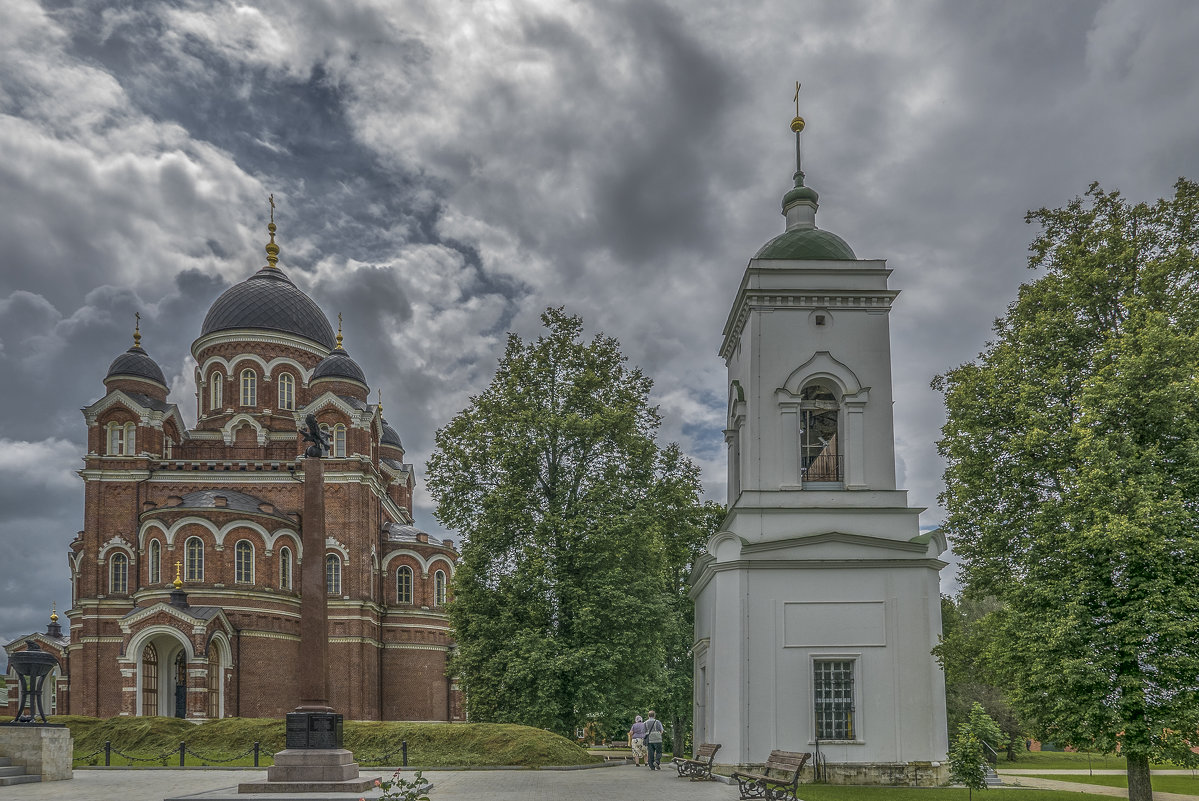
(311, 770)
(45, 751)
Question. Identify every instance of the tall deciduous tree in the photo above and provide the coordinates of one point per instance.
(1073, 480)
(570, 516)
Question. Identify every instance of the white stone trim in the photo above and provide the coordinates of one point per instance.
(239, 336)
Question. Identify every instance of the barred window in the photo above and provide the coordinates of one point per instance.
(834, 707)
(155, 560)
(404, 585)
(333, 574)
(118, 576)
(287, 392)
(244, 563)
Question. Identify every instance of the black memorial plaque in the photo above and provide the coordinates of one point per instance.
(314, 730)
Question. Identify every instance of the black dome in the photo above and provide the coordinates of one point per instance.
(391, 436)
(268, 299)
(136, 362)
(338, 364)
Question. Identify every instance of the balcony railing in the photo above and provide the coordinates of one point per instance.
(824, 468)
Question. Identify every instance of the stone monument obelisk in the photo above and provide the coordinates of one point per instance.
(313, 759)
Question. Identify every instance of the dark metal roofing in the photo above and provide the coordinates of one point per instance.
(136, 362)
(391, 436)
(355, 402)
(148, 402)
(807, 244)
(394, 464)
(206, 499)
(269, 300)
(338, 364)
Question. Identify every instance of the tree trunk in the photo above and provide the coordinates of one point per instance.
(1139, 788)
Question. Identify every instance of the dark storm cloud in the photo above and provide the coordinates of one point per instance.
(443, 175)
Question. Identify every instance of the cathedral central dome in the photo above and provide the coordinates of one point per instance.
(269, 300)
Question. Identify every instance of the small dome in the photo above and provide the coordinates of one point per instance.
(269, 300)
(137, 363)
(391, 436)
(339, 365)
(807, 244)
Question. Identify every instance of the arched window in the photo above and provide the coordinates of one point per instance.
(404, 585)
(285, 568)
(130, 439)
(194, 555)
(819, 411)
(249, 388)
(338, 440)
(154, 560)
(118, 574)
(150, 680)
(214, 680)
(287, 392)
(116, 439)
(333, 574)
(439, 588)
(244, 562)
(216, 392)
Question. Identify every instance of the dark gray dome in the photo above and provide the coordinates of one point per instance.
(338, 364)
(391, 436)
(269, 300)
(136, 362)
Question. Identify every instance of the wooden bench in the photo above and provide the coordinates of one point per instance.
(700, 768)
(778, 780)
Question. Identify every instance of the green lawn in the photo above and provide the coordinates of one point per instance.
(828, 792)
(1069, 760)
(1167, 784)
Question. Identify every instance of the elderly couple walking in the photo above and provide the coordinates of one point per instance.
(646, 739)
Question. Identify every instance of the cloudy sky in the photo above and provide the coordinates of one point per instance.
(446, 170)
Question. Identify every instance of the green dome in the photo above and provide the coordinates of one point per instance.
(807, 244)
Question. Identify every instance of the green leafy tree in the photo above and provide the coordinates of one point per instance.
(966, 636)
(573, 521)
(966, 761)
(1073, 471)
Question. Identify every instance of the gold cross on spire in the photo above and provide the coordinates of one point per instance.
(796, 98)
(797, 124)
(178, 582)
(271, 199)
(272, 250)
(339, 331)
(137, 329)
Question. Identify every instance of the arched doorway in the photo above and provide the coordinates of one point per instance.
(218, 660)
(162, 660)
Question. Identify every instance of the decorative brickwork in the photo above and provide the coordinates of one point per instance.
(221, 505)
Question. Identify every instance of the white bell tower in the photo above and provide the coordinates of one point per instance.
(818, 602)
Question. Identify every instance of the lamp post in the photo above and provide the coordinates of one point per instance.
(32, 665)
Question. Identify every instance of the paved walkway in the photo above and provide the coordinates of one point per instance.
(622, 783)
(1016, 780)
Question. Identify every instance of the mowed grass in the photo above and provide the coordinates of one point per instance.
(1071, 760)
(1186, 785)
(829, 792)
(155, 741)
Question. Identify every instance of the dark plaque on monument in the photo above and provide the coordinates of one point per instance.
(314, 730)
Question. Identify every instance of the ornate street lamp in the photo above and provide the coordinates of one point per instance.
(32, 665)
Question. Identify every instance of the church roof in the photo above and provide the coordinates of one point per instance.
(807, 244)
(269, 300)
(338, 364)
(136, 362)
(234, 501)
(391, 436)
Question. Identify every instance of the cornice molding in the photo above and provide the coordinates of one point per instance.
(750, 300)
(259, 336)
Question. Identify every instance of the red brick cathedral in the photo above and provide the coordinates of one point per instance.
(186, 576)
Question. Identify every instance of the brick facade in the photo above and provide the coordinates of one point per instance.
(221, 503)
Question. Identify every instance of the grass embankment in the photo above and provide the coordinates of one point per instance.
(1166, 784)
(429, 744)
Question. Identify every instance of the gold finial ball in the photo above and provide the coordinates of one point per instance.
(271, 227)
(53, 617)
(178, 582)
(797, 124)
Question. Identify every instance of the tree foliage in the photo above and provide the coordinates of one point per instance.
(577, 529)
(1072, 485)
(967, 755)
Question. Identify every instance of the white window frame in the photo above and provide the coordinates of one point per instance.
(337, 441)
(245, 576)
(285, 568)
(287, 392)
(190, 574)
(121, 586)
(249, 387)
(216, 392)
(333, 574)
(400, 599)
(439, 588)
(154, 562)
(116, 439)
(856, 718)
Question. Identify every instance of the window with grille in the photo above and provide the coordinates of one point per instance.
(118, 577)
(287, 392)
(155, 560)
(333, 574)
(404, 585)
(249, 388)
(244, 558)
(195, 560)
(285, 568)
(834, 707)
